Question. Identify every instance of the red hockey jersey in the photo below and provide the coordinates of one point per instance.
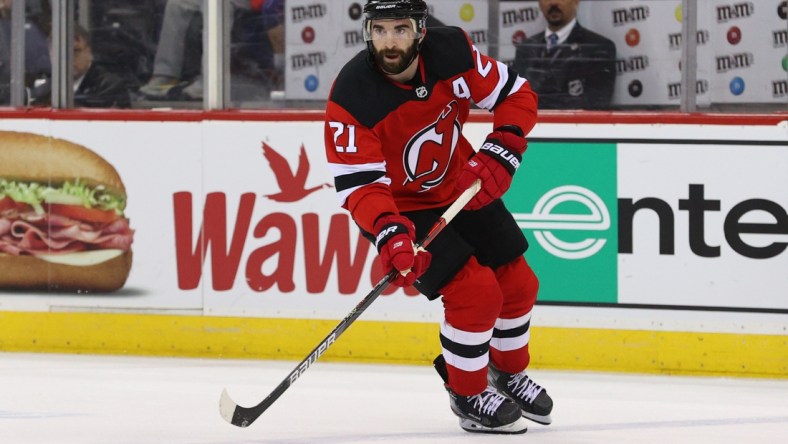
(395, 147)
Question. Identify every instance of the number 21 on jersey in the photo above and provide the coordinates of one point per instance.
(339, 141)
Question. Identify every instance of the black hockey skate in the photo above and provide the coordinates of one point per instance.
(532, 398)
(487, 412)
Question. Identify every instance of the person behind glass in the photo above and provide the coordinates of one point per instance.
(36, 51)
(569, 66)
(272, 13)
(394, 144)
(94, 85)
(168, 63)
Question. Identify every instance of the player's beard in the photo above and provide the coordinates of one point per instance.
(405, 58)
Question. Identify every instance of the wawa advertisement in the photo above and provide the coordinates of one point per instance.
(228, 218)
(241, 219)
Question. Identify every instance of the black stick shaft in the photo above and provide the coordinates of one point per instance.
(244, 416)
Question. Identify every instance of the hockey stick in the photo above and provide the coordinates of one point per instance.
(244, 416)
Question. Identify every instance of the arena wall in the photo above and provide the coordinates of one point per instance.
(659, 239)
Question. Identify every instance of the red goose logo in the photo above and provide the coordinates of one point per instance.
(292, 186)
(427, 155)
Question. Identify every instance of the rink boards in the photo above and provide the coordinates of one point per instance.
(660, 247)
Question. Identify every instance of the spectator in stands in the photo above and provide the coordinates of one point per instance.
(94, 86)
(569, 66)
(258, 50)
(36, 52)
(274, 24)
(168, 64)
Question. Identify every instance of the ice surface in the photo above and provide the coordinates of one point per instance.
(63, 399)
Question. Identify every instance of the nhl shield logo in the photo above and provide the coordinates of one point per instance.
(421, 92)
(575, 87)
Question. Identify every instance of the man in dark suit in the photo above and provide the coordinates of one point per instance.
(94, 85)
(569, 66)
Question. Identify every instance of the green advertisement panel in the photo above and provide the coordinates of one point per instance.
(564, 197)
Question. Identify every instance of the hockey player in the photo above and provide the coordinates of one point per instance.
(395, 146)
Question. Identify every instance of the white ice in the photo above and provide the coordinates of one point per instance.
(62, 399)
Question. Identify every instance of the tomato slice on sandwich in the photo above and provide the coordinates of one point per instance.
(6, 203)
(84, 214)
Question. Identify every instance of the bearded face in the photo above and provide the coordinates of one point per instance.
(395, 60)
(558, 13)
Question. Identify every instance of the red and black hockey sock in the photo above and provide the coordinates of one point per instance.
(512, 332)
(472, 302)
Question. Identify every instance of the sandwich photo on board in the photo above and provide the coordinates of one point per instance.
(62, 221)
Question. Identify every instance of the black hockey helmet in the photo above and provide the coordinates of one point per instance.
(397, 9)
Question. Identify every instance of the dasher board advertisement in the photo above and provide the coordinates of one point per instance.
(241, 218)
(656, 222)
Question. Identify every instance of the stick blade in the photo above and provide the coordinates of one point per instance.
(227, 408)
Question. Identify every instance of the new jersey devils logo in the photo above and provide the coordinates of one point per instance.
(427, 154)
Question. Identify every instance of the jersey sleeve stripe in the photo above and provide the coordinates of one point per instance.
(360, 179)
(356, 174)
(348, 184)
(513, 85)
(349, 178)
(342, 169)
(518, 83)
(501, 90)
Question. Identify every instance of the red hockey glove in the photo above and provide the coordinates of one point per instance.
(395, 246)
(494, 164)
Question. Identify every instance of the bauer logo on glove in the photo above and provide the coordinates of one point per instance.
(512, 159)
(494, 165)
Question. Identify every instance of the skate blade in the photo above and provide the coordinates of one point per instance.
(518, 427)
(540, 419)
